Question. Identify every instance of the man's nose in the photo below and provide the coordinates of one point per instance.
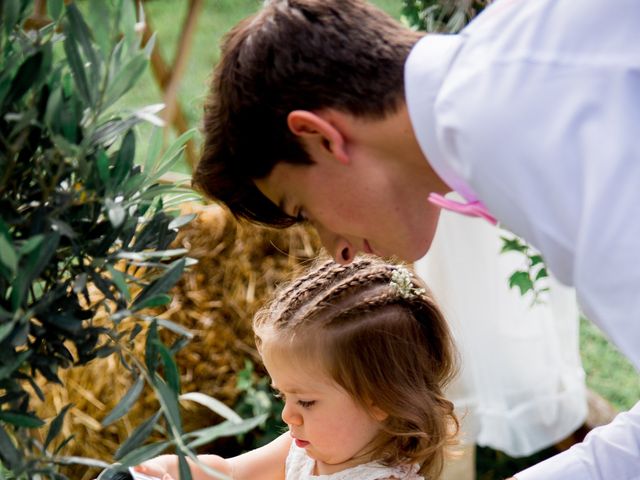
(338, 247)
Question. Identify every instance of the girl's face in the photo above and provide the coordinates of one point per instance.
(322, 418)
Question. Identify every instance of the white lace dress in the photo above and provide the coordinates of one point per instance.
(299, 466)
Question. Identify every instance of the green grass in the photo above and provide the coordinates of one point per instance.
(608, 373)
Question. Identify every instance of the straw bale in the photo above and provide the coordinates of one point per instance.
(239, 265)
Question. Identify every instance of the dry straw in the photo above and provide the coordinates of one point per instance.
(239, 266)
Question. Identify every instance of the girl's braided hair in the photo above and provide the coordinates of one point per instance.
(383, 343)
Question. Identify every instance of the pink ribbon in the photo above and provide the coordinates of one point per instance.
(470, 209)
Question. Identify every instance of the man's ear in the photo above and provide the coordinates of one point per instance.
(314, 128)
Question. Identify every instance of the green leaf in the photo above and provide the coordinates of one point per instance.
(214, 405)
(121, 283)
(55, 8)
(81, 34)
(103, 167)
(162, 284)
(156, 301)
(26, 76)
(20, 419)
(125, 403)
(185, 471)
(8, 255)
(36, 262)
(77, 70)
(125, 158)
(8, 452)
(170, 368)
(5, 330)
(522, 280)
(97, 12)
(126, 77)
(14, 364)
(10, 15)
(169, 401)
(224, 429)
(174, 327)
(30, 245)
(143, 453)
(181, 221)
(151, 348)
(139, 435)
(153, 151)
(56, 426)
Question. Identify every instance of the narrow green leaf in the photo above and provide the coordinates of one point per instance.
(151, 348)
(153, 151)
(5, 330)
(121, 283)
(174, 327)
(26, 76)
(125, 402)
(14, 364)
(98, 11)
(139, 435)
(156, 301)
(20, 419)
(89, 462)
(56, 426)
(8, 451)
(213, 404)
(8, 255)
(185, 471)
(181, 221)
(224, 429)
(103, 166)
(77, 70)
(82, 35)
(143, 453)
(169, 401)
(30, 245)
(171, 372)
(55, 8)
(10, 15)
(162, 284)
(126, 77)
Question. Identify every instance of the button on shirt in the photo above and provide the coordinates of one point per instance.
(534, 111)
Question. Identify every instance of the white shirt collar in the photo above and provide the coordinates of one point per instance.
(425, 70)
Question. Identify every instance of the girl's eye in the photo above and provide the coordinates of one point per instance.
(304, 404)
(279, 395)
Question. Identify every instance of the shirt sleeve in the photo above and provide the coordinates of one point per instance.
(608, 452)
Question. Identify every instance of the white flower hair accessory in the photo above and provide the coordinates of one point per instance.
(401, 280)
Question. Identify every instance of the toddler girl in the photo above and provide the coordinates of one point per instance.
(360, 354)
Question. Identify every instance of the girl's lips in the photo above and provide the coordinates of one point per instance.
(301, 443)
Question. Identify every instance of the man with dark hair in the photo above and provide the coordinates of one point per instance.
(329, 111)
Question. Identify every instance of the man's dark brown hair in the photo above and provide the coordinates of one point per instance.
(293, 55)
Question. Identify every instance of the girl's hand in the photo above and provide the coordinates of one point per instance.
(165, 467)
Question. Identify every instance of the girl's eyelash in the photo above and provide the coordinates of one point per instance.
(306, 404)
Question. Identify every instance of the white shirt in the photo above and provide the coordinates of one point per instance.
(534, 109)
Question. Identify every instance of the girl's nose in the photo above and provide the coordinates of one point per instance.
(290, 416)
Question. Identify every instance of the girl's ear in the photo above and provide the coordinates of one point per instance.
(379, 414)
(315, 129)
